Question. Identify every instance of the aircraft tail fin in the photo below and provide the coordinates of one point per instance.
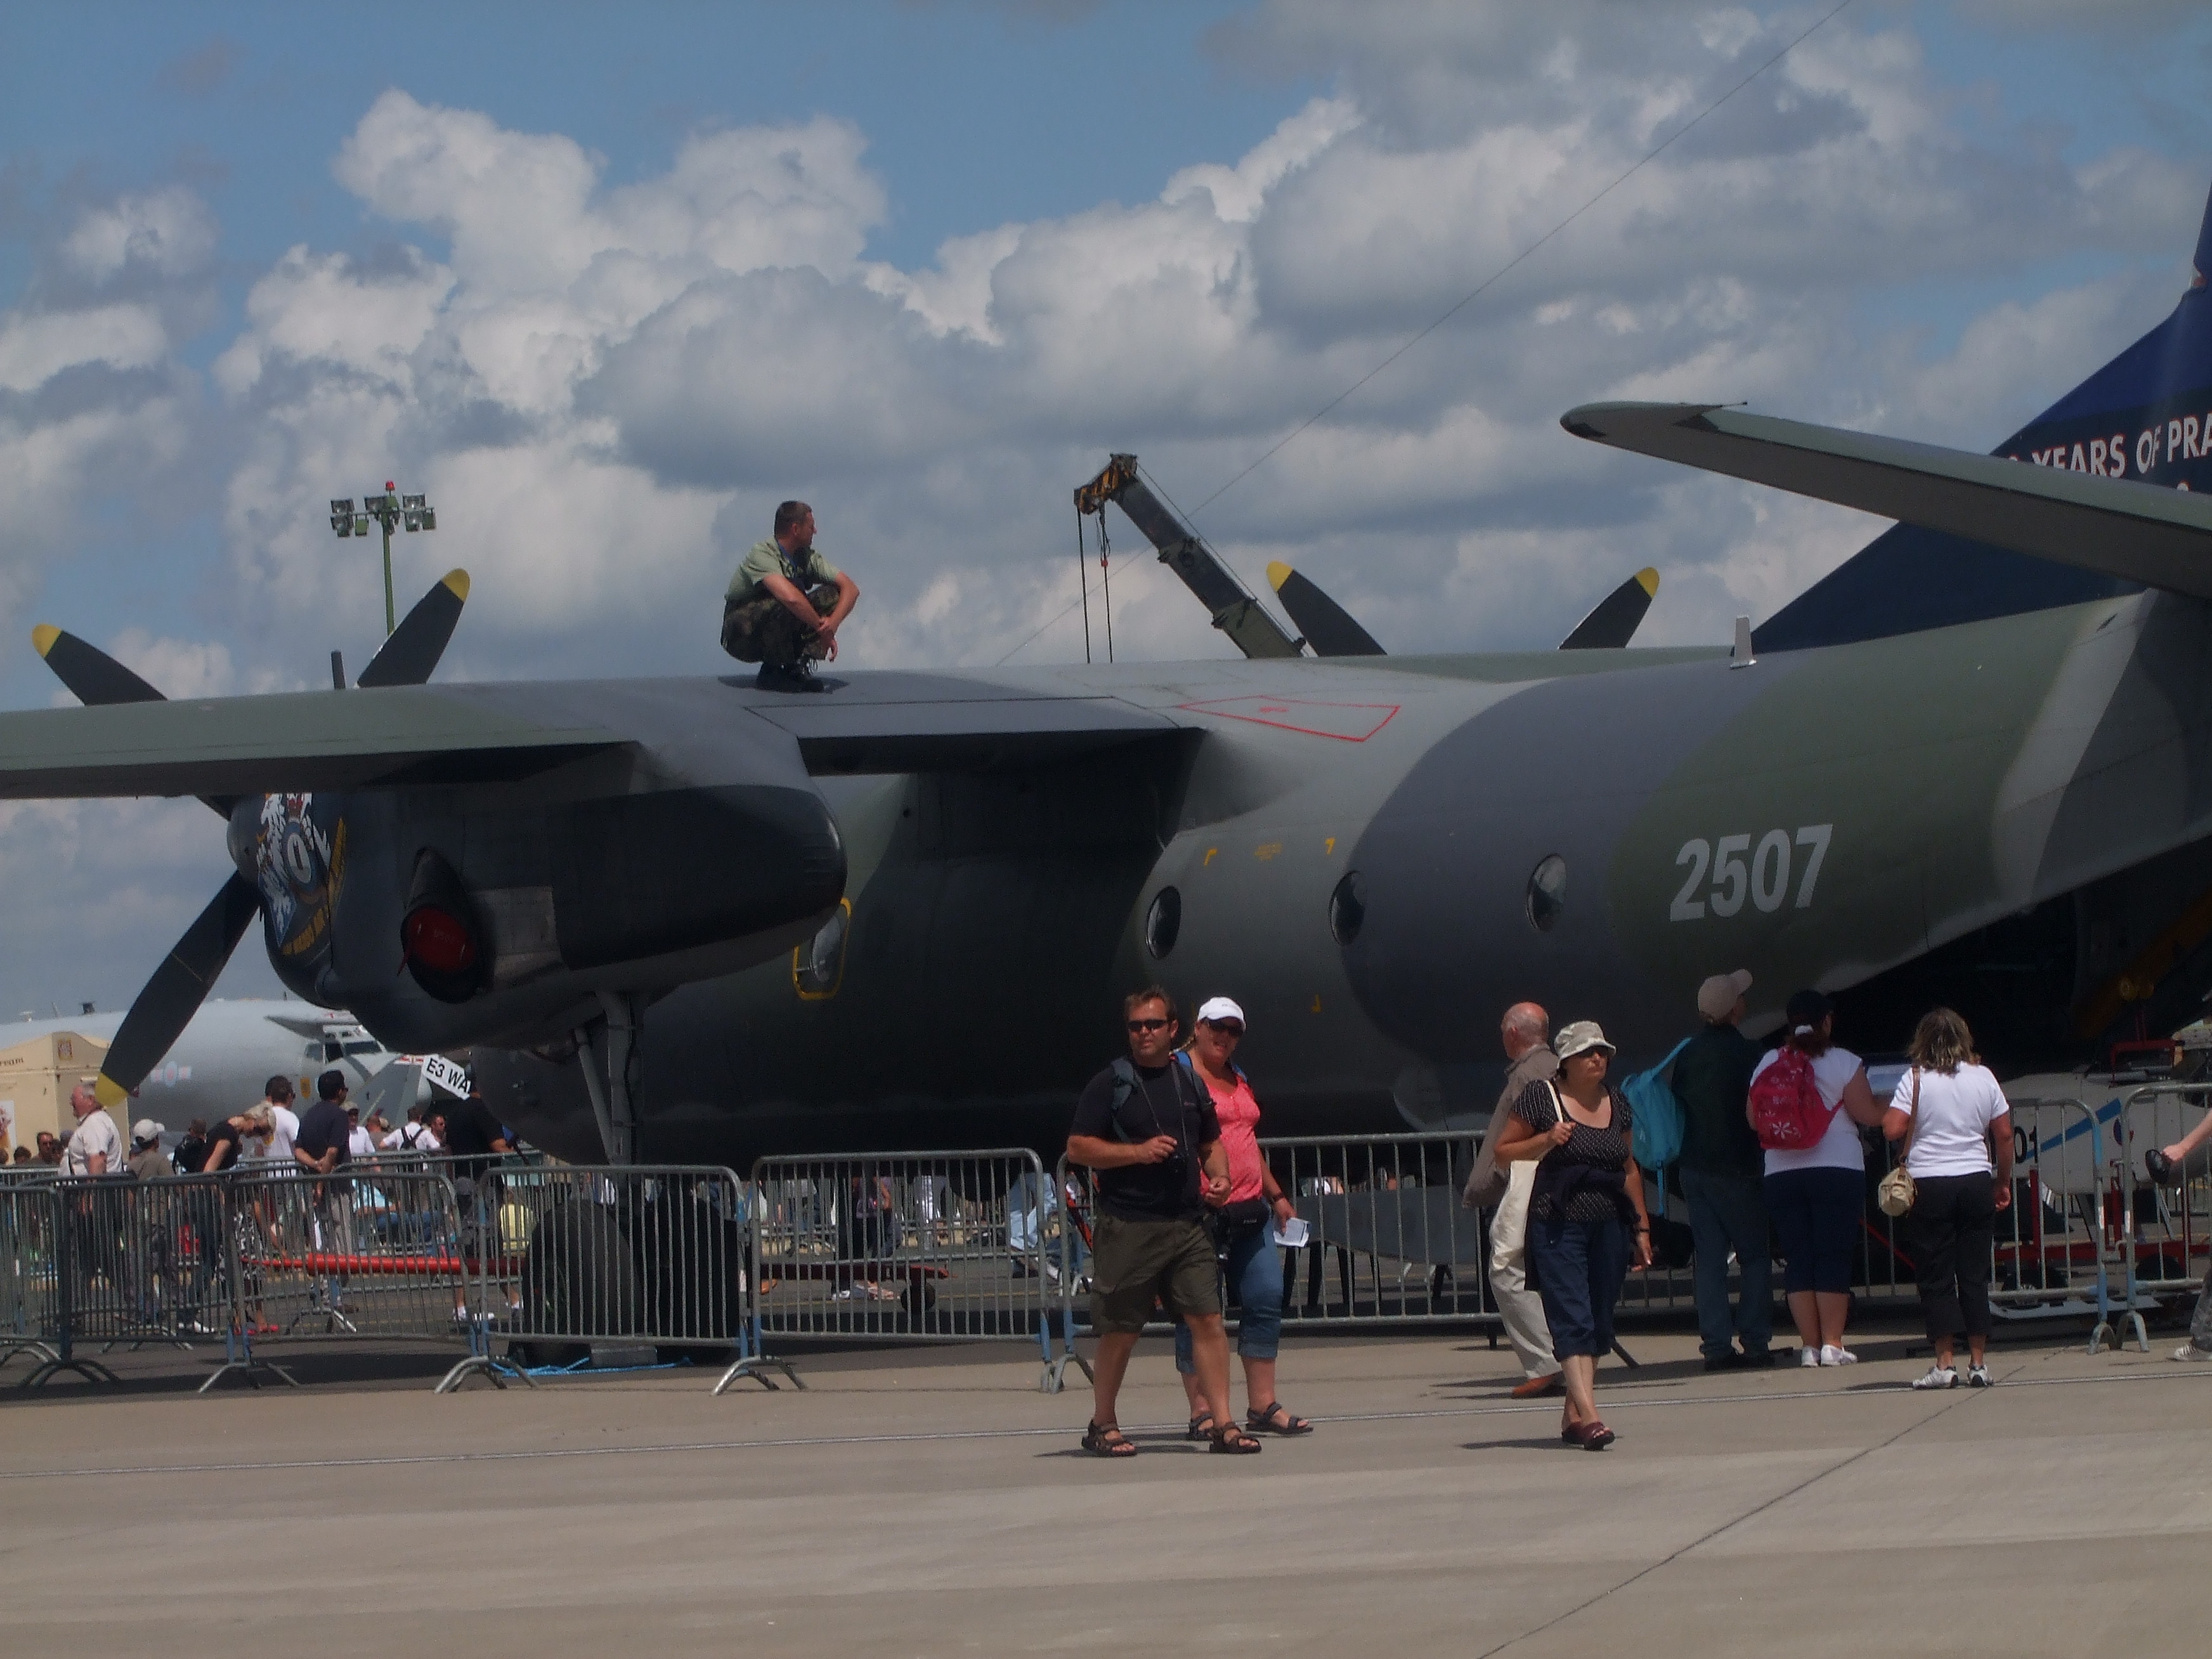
(2146, 415)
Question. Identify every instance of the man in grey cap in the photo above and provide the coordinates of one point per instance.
(147, 1161)
(1526, 1031)
(1722, 1172)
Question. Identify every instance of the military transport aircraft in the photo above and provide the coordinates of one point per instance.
(692, 919)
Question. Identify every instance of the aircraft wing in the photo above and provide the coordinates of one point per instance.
(2139, 532)
(895, 721)
(290, 741)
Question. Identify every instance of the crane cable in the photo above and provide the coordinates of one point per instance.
(1483, 286)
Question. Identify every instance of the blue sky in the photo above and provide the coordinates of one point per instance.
(609, 283)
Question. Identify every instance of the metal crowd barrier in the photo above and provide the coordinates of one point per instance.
(912, 1247)
(561, 1260)
(1388, 1241)
(2166, 1228)
(362, 1253)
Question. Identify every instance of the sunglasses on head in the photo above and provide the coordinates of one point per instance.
(1150, 1024)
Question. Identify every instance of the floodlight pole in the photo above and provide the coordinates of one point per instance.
(390, 510)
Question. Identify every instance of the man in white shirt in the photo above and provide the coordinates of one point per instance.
(95, 1148)
(413, 1136)
(359, 1142)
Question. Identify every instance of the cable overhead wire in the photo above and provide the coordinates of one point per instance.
(1477, 291)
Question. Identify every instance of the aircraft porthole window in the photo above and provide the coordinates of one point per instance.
(1163, 922)
(1347, 907)
(1548, 893)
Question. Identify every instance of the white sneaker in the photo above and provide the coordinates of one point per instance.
(1978, 1376)
(1939, 1376)
(1837, 1356)
(1808, 1358)
(2189, 1353)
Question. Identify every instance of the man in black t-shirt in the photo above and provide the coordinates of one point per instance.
(1146, 1127)
(323, 1143)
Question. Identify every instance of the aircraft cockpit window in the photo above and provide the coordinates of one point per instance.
(1548, 893)
(1347, 908)
(361, 1046)
(1163, 922)
(333, 1051)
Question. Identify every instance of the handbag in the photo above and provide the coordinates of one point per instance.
(1895, 1196)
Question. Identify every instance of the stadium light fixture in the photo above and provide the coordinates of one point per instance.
(392, 511)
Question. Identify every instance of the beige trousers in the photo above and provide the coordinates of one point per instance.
(1520, 1307)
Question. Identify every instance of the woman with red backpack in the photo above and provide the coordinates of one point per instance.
(1808, 1101)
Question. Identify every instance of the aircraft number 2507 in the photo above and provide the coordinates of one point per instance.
(1739, 872)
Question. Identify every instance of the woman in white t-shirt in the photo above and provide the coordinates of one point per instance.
(1955, 1112)
(1816, 1195)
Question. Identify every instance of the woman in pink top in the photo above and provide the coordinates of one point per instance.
(1253, 1266)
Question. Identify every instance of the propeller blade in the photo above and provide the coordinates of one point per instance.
(175, 992)
(90, 673)
(411, 654)
(1616, 618)
(97, 679)
(1328, 626)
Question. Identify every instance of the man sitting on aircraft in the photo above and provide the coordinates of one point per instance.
(786, 604)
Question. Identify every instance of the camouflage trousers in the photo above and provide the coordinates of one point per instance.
(760, 629)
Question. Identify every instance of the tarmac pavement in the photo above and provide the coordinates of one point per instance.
(931, 1502)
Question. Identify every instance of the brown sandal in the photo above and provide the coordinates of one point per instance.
(1199, 1427)
(1277, 1419)
(1234, 1441)
(1106, 1440)
(1594, 1436)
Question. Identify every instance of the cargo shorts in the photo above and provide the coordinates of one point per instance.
(1133, 1263)
(760, 629)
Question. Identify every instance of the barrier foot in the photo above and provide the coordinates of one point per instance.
(90, 1369)
(2135, 1321)
(1055, 1372)
(2100, 1334)
(38, 1350)
(249, 1368)
(753, 1366)
(494, 1368)
(1624, 1357)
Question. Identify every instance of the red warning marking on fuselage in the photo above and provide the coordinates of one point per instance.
(1347, 722)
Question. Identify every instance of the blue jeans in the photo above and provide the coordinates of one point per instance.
(1817, 1216)
(1579, 1265)
(1254, 1272)
(1729, 1213)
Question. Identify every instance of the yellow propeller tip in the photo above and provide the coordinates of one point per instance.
(44, 636)
(1278, 574)
(1647, 580)
(458, 581)
(110, 1093)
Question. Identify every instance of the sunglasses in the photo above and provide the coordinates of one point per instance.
(1150, 1024)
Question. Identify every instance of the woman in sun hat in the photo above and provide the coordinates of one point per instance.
(1587, 1222)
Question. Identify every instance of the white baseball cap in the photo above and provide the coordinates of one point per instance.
(147, 1131)
(1217, 1009)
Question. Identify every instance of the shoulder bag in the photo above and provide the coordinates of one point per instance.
(1897, 1188)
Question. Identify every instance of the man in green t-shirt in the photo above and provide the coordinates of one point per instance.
(786, 603)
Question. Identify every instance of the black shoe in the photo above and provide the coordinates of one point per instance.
(1757, 1362)
(1723, 1362)
(786, 677)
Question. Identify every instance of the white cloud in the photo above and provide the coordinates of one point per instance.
(169, 231)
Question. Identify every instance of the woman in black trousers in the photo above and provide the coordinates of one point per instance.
(1955, 1115)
